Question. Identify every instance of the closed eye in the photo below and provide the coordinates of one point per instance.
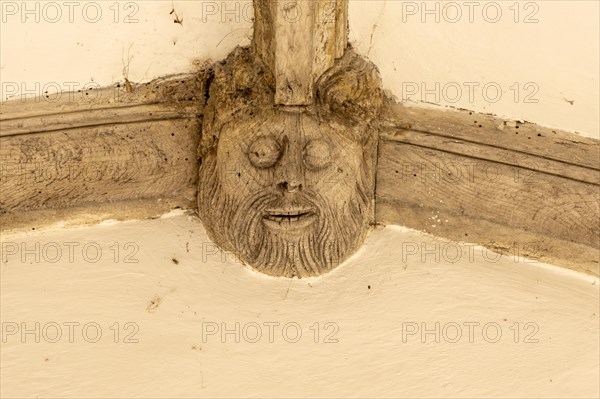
(317, 154)
(264, 152)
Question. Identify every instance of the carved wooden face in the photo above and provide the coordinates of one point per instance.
(293, 157)
(290, 195)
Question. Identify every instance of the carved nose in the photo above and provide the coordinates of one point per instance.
(291, 177)
(290, 187)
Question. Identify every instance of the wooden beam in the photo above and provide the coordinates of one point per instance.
(476, 178)
(299, 40)
(128, 144)
(535, 193)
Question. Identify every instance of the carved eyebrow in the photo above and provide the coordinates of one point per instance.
(273, 131)
(325, 133)
(265, 129)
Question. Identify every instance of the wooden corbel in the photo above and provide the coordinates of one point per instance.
(289, 145)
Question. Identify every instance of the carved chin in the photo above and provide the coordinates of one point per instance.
(299, 237)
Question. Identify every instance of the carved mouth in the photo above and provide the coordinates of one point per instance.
(289, 219)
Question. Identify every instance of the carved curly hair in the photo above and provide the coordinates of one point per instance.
(350, 90)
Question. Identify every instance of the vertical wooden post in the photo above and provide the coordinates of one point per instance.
(299, 40)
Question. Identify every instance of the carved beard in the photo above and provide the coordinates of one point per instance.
(236, 225)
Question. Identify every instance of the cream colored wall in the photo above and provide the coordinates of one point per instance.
(542, 56)
(93, 41)
(525, 60)
(152, 309)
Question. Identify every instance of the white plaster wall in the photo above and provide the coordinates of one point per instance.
(532, 60)
(535, 327)
(543, 58)
(93, 41)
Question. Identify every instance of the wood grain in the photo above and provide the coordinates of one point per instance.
(139, 146)
(454, 179)
(101, 163)
(299, 40)
(520, 137)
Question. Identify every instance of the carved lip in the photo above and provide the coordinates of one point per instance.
(289, 219)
